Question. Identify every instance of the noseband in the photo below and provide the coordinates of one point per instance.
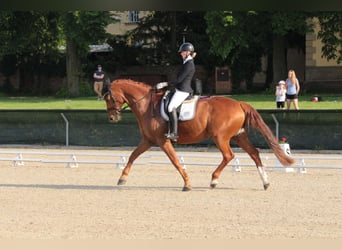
(114, 108)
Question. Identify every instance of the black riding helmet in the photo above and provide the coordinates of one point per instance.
(186, 47)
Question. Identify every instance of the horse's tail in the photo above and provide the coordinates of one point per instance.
(254, 119)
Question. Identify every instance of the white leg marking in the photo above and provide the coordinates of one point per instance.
(214, 182)
(263, 175)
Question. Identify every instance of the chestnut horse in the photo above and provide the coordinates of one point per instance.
(217, 117)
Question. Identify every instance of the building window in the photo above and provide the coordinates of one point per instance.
(133, 16)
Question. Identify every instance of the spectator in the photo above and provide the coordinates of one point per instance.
(98, 81)
(280, 94)
(292, 89)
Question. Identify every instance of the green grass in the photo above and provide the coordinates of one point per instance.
(261, 101)
(258, 101)
(51, 103)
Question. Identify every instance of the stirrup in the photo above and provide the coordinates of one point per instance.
(173, 137)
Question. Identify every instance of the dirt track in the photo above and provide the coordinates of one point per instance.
(50, 201)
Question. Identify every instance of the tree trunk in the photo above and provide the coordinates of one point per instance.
(73, 67)
(174, 46)
(269, 71)
(279, 59)
(173, 31)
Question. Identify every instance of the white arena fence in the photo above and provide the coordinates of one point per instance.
(73, 159)
(90, 128)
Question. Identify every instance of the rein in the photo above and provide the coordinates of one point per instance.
(151, 91)
(143, 97)
(134, 102)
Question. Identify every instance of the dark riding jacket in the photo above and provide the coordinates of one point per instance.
(184, 77)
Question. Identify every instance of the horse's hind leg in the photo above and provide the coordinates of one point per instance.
(227, 153)
(243, 141)
(142, 147)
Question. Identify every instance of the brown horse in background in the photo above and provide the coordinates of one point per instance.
(219, 118)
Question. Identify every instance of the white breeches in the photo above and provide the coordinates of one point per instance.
(177, 99)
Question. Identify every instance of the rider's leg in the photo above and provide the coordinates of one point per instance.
(176, 101)
(173, 126)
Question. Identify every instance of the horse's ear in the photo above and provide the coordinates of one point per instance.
(106, 87)
(107, 81)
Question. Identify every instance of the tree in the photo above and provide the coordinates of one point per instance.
(160, 34)
(34, 38)
(242, 38)
(28, 39)
(331, 35)
(239, 38)
(288, 31)
(81, 29)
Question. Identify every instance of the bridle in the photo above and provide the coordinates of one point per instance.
(113, 108)
(118, 110)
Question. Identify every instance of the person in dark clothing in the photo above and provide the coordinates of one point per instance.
(98, 81)
(182, 86)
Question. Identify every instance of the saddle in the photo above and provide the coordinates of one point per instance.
(186, 111)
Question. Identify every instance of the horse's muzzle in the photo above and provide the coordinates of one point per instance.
(114, 118)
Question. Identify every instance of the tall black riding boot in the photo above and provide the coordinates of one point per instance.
(173, 126)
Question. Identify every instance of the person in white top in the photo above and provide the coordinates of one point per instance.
(280, 94)
(292, 89)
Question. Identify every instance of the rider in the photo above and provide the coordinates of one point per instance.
(182, 86)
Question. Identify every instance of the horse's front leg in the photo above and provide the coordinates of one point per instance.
(168, 148)
(142, 147)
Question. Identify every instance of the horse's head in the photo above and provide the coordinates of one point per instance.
(114, 105)
(126, 91)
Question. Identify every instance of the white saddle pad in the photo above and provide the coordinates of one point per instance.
(187, 112)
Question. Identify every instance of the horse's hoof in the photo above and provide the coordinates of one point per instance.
(266, 186)
(213, 183)
(121, 182)
(185, 189)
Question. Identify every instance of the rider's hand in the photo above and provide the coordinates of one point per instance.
(161, 85)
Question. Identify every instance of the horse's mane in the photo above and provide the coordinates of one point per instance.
(132, 82)
(135, 87)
